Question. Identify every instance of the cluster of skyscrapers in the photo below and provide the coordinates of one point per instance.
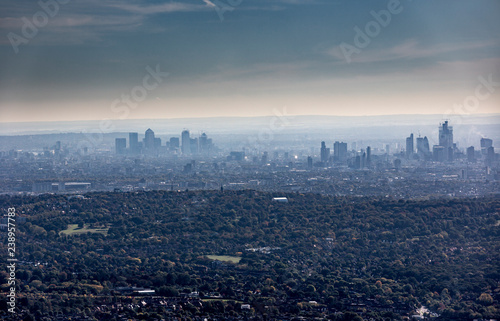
(152, 145)
(446, 150)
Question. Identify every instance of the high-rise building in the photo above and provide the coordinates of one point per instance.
(446, 135)
(133, 141)
(194, 145)
(439, 153)
(149, 139)
(368, 156)
(470, 155)
(203, 143)
(409, 146)
(120, 145)
(339, 151)
(446, 140)
(325, 153)
(174, 143)
(485, 144)
(186, 142)
(309, 162)
(423, 147)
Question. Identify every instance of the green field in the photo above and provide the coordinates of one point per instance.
(74, 229)
(225, 258)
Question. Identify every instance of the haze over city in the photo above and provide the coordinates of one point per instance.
(202, 59)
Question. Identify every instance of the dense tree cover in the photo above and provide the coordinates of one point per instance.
(369, 257)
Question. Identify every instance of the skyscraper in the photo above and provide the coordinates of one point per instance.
(133, 141)
(340, 151)
(325, 153)
(186, 142)
(149, 139)
(368, 156)
(409, 146)
(470, 155)
(423, 147)
(446, 140)
(446, 135)
(485, 144)
(120, 145)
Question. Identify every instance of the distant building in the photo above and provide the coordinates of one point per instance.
(149, 140)
(309, 162)
(174, 143)
(186, 142)
(409, 146)
(133, 141)
(423, 147)
(446, 140)
(120, 145)
(280, 199)
(339, 151)
(446, 135)
(237, 156)
(471, 157)
(325, 153)
(368, 156)
(485, 144)
(439, 153)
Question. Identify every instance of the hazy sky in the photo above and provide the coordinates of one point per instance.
(246, 58)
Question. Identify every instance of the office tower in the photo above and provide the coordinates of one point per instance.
(120, 145)
(439, 153)
(203, 143)
(264, 158)
(194, 145)
(357, 162)
(470, 155)
(409, 146)
(387, 149)
(149, 140)
(363, 159)
(174, 143)
(427, 149)
(157, 143)
(446, 140)
(485, 144)
(186, 142)
(133, 141)
(339, 151)
(422, 146)
(325, 153)
(446, 135)
(336, 151)
(490, 156)
(309, 162)
(368, 156)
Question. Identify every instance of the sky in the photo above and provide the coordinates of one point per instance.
(63, 60)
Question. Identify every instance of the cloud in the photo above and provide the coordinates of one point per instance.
(411, 49)
(161, 8)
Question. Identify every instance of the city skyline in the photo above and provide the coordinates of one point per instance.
(195, 59)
